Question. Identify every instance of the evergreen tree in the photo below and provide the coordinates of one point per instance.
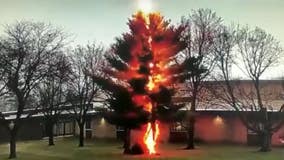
(141, 76)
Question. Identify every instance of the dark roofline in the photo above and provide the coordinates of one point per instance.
(234, 81)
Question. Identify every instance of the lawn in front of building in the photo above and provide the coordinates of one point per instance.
(66, 149)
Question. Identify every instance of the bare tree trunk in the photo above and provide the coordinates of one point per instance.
(51, 140)
(126, 141)
(13, 134)
(266, 142)
(266, 134)
(190, 134)
(81, 134)
(50, 133)
(190, 131)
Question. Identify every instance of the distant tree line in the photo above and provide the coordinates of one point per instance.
(40, 72)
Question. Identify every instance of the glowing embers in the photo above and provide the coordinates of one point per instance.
(151, 65)
(144, 101)
(151, 84)
(155, 81)
(150, 137)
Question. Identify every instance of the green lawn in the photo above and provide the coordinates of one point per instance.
(66, 149)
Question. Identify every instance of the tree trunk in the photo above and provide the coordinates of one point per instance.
(191, 125)
(126, 141)
(13, 144)
(50, 133)
(51, 140)
(266, 134)
(266, 142)
(190, 134)
(81, 135)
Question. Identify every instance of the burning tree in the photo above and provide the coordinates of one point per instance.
(142, 70)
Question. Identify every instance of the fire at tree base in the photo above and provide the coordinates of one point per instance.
(145, 139)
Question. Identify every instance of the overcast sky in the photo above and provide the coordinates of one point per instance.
(103, 20)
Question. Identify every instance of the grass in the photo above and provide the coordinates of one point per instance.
(66, 149)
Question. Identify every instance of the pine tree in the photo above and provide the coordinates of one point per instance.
(140, 78)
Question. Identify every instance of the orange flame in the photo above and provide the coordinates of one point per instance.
(152, 131)
(150, 85)
(154, 81)
(150, 138)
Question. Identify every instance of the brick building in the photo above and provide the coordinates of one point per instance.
(214, 124)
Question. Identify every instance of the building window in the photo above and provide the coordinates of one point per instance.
(119, 128)
(69, 128)
(88, 125)
(64, 128)
(251, 132)
(88, 129)
(177, 127)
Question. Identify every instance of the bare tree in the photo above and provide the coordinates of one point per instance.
(200, 33)
(25, 50)
(82, 90)
(253, 51)
(52, 92)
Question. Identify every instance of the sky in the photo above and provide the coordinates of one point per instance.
(103, 20)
